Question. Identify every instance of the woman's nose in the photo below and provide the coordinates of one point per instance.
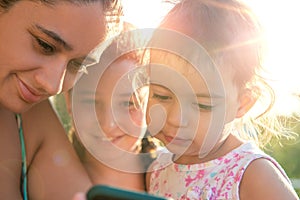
(50, 78)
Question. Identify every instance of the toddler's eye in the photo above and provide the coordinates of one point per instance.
(203, 107)
(88, 101)
(127, 104)
(161, 97)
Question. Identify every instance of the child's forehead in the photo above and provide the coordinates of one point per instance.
(201, 69)
(172, 70)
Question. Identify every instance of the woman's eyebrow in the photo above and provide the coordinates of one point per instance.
(55, 37)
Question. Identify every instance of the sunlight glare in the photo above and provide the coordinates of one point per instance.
(144, 13)
(280, 20)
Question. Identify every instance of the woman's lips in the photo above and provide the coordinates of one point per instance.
(28, 93)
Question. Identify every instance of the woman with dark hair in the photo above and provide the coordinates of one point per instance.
(43, 45)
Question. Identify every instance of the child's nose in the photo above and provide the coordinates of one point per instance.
(107, 121)
(177, 116)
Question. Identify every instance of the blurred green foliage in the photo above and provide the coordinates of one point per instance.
(60, 107)
(287, 152)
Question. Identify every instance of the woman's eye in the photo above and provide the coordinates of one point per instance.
(161, 97)
(80, 65)
(46, 47)
(75, 66)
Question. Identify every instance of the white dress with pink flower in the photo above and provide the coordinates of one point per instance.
(215, 179)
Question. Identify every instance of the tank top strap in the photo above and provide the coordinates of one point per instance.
(24, 163)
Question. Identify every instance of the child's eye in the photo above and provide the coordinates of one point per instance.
(45, 47)
(127, 104)
(161, 97)
(88, 101)
(203, 107)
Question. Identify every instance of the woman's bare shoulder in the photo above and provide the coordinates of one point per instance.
(54, 166)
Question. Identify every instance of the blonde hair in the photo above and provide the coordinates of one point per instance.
(232, 36)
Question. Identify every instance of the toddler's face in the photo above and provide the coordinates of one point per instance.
(112, 121)
(187, 111)
(118, 112)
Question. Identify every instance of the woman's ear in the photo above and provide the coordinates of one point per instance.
(246, 100)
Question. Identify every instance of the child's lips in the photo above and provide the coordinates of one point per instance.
(175, 140)
(113, 139)
(116, 139)
(168, 138)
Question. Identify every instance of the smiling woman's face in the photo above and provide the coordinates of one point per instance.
(38, 41)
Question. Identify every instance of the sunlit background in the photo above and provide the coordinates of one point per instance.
(281, 22)
(145, 13)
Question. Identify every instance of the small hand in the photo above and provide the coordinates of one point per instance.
(79, 196)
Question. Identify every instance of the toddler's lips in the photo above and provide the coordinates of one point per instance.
(176, 140)
(112, 139)
(168, 138)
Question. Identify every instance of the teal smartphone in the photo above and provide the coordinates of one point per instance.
(103, 192)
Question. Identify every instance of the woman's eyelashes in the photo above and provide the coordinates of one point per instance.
(76, 66)
(46, 47)
(81, 64)
(43, 46)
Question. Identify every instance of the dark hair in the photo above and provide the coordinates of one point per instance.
(112, 8)
(108, 4)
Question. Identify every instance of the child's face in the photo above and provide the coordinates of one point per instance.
(193, 123)
(114, 124)
(117, 109)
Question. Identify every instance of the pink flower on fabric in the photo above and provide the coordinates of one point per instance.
(189, 179)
